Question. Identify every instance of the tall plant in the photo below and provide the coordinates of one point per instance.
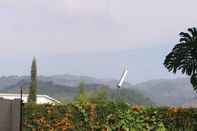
(81, 97)
(33, 85)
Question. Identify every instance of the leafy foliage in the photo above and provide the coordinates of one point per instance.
(184, 56)
(99, 95)
(104, 94)
(109, 116)
(81, 97)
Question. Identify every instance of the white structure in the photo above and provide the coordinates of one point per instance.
(122, 79)
(41, 99)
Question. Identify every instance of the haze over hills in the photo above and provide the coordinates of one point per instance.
(168, 91)
(162, 91)
(69, 80)
(54, 86)
(95, 39)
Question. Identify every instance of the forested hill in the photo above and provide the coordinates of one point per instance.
(162, 91)
(66, 93)
(69, 80)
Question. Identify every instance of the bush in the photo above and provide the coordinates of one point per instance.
(109, 116)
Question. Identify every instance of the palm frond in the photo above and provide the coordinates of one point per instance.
(193, 32)
(180, 58)
(183, 40)
(193, 81)
(186, 36)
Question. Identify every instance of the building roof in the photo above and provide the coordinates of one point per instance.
(25, 96)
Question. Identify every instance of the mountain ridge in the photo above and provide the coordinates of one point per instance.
(173, 92)
(168, 91)
(66, 93)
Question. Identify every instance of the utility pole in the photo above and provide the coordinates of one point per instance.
(21, 108)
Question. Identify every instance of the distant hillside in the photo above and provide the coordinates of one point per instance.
(69, 80)
(161, 91)
(10, 80)
(168, 92)
(66, 93)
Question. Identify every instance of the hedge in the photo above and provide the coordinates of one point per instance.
(107, 116)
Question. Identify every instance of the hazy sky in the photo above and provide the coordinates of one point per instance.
(70, 26)
(59, 27)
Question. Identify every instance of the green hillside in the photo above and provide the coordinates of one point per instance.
(67, 93)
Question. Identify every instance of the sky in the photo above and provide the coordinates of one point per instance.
(45, 28)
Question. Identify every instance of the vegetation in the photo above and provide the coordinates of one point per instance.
(101, 109)
(179, 89)
(108, 116)
(184, 56)
(99, 95)
(67, 94)
(82, 97)
(33, 85)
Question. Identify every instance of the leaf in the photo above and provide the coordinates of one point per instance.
(183, 56)
(194, 81)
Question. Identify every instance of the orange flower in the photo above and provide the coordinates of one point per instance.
(136, 108)
(180, 109)
(104, 129)
(173, 110)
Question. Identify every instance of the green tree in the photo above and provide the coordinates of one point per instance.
(33, 85)
(100, 95)
(81, 97)
(184, 56)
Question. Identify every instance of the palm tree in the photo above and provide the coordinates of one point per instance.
(184, 56)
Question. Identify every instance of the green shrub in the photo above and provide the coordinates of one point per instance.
(108, 116)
